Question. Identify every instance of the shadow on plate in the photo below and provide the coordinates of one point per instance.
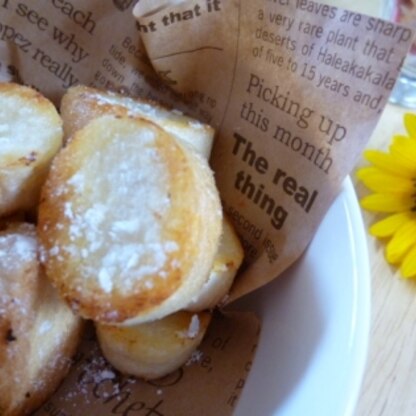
(292, 326)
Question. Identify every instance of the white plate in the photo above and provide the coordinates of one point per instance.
(313, 346)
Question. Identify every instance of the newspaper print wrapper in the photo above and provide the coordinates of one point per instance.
(294, 89)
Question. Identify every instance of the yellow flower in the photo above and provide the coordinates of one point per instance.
(392, 178)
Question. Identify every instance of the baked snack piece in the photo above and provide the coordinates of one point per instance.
(30, 135)
(38, 332)
(81, 104)
(153, 349)
(130, 222)
(227, 261)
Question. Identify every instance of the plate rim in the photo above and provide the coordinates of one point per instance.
(348, 204)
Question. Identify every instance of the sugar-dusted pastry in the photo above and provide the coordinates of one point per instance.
(153, 349)
(38, 332)
(81, 104)
(226, 263)
(129, 220)
(30, 135)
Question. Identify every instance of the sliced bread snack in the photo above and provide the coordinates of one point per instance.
(81, 104)
(153, 349)
(38, 332)
(30, 135)
(130, 221)
(227, 261)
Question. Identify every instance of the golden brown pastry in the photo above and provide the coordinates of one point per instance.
(153, 349)
(130, 222)
(30, 135)
(38, 332)
(223, 271)
(81, 104)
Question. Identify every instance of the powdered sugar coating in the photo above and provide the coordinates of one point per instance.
(121, 237)
(14, 247)
(194, 325)
(18, 250)
(14, 133)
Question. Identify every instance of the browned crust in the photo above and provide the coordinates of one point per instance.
(81, 104)
(26, 93)
(187, 224)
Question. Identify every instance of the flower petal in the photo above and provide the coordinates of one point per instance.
(410, 124)
(378, 181)
(388, 202)
(408, 268)
(388, 226)
(405, 141)
(404, 150)
(388, 163)
(402, 241)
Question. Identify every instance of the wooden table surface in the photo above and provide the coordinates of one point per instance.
(389, 384)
